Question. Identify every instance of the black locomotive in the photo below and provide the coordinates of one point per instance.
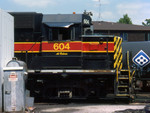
(66, 60)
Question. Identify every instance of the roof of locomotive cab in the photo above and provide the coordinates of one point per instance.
(62, 18)
(74, 18)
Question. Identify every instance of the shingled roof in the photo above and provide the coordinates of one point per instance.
(102, 25)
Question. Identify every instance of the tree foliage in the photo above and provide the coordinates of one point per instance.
(125, 19)
(147, 22)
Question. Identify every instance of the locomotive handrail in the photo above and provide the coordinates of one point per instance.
(132, 75)
(117, 75)
(128, 63)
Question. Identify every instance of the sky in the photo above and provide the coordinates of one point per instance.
(103, 10)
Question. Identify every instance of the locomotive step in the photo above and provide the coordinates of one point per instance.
(124, 72)
(122, 95)
(124, 91)
(121, 83)
(123, 77)
(123, 86)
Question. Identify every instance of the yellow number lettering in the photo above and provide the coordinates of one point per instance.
(67, 46)
(61, 46)
(55, 46)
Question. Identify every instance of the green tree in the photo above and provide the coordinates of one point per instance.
(147, 22)
(125, 19)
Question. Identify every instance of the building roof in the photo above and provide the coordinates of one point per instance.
(102, 25)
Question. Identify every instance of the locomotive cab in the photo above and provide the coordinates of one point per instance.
(62, 43)
(65, 27)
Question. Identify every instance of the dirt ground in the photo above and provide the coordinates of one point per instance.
(89, 108)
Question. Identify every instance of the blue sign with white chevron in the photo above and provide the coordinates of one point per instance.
(141, 59)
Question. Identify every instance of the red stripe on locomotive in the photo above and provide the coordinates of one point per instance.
(98, 47)
(27, 47)
(64, 46)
